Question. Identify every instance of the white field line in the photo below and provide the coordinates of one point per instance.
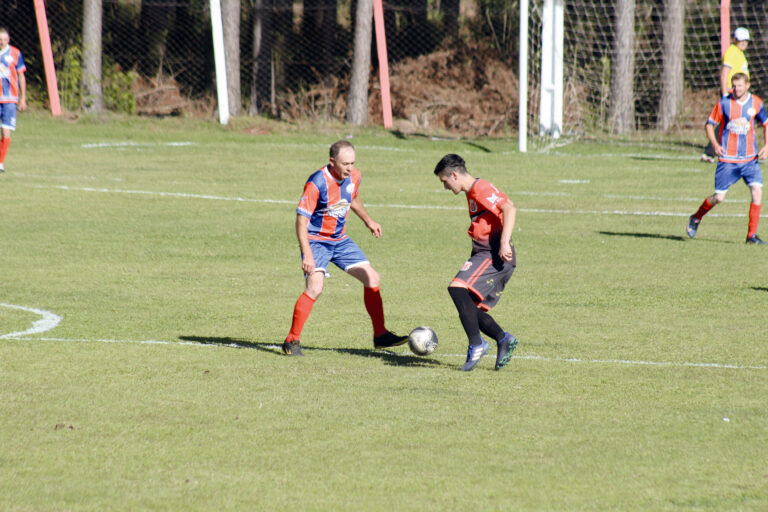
(626, 362)
(95, 145)
(46, 323)
(397, 206)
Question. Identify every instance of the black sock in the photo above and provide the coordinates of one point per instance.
(489, 326)
(467, 313)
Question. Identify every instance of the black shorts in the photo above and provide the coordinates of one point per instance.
(485, 274)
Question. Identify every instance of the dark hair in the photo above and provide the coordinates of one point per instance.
(3, 29)
(740, 76)
(451, 162)
(337, 146)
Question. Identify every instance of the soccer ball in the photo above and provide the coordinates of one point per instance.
(422, 341)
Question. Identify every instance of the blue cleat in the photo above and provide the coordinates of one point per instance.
(755, 240)
(474, 354)
(505, 348)
(693, 226)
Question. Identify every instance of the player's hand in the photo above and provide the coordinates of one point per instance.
(506, 253)
(763, 153)
(375, 229)
(719, 150)
(22, 104)
(308, 264)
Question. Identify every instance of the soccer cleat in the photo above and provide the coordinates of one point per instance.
(388, 339)
(708, 159)
(755, 240)
(474, 354)
(693, 226)
(505, 348)
(2, 167)
(292, 348)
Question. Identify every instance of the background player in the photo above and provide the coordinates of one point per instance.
(321, 218)
(734, 61)
(13, 93)
(479, 284)
(737, 152)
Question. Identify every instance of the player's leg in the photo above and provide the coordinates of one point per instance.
(5, 142)
(725, 175)
(303, 308)
(468, 315)
(754, 180)
(350, 258)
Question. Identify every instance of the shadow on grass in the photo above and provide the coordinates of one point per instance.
(386, 356)
(760, 288)
(676, 238)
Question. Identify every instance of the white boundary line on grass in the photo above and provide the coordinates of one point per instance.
(46, 323)
(627, 362)
(406, 206)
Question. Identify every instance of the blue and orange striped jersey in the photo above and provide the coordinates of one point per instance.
(11, 64)
(484, 200)
(326, 202)
(737, 127)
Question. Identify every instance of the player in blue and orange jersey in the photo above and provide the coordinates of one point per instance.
(321, 219)
(479, 283)
(13, 94)
(737, 152)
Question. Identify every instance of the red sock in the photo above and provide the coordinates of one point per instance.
(375, 308)
(754, 219)
(5, 142)
(301, 312)
(703, 209)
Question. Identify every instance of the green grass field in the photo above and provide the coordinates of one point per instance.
(165, 249)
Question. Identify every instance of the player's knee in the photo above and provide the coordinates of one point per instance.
(373, 279)
(717, 198)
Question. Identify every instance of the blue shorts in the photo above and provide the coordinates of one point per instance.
(345, 254)
(8, 115)
(726, 174)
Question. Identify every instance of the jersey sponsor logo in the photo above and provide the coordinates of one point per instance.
(472, 206)
(739, 126)
(338, 210)
(466, 266)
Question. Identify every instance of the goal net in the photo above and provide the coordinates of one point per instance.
(589, 55)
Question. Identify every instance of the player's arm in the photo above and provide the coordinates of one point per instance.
(509, 211)
(360, 211)
(719, 151)
(307, 260)
(762, 154)
(724, 72)
(22, 91)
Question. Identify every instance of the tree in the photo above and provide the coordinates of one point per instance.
(357, 101)
(621, 113)
(261, 72)
(93, 100)
(672, 68)
(230, 20)
(450, 10)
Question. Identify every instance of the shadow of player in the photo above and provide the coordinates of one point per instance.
(386, 356)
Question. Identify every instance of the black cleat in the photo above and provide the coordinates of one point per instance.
(755, 240)
(388, 339)
(505, 348)
(693, 226)
(292, 348)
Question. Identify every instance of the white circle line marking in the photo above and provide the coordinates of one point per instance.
(46, 323)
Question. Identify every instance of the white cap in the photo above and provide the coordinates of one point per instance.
(741, 34)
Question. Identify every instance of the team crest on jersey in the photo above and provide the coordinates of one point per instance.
(751, 112)
(472, 206)
(350, 188)
(466, 266)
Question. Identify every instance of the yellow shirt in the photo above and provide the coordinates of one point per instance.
(735, 59)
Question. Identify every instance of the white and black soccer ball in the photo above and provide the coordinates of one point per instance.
(422, 341)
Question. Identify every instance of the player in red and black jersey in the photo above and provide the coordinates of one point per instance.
(321, 219)
(481, 280)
